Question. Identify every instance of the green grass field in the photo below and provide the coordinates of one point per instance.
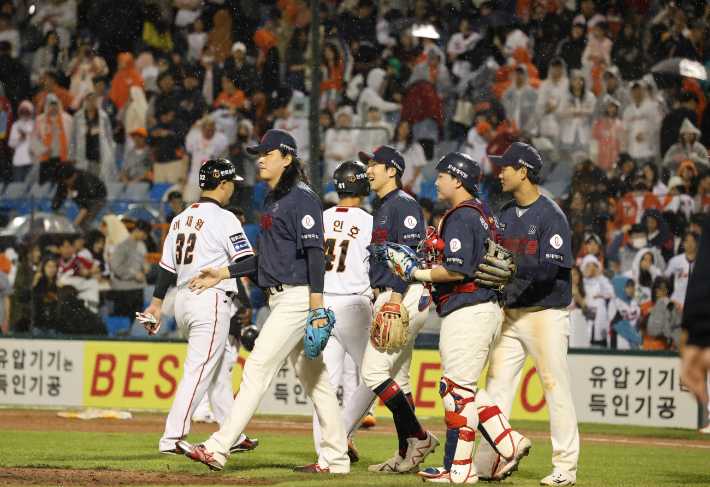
(606, 465)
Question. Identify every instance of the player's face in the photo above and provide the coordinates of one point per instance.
(510, 179)
(272, 165)
(445, 186)
(377, 174)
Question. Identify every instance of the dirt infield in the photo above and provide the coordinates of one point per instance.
(101, 478)
(28, 420)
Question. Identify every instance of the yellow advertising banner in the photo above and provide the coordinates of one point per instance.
(144, 375)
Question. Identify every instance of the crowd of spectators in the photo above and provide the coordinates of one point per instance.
(122, 90)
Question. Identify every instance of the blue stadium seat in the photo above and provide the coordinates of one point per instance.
(38, 191)
(139, 191)
(159, 189)
(120, 207)
(428, 190)
(328, 188)
(45, 205)
(114, 190)
(14, 191)
(252, 232)
(72, 211)
(116, 323)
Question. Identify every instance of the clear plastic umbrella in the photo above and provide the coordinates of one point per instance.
(42, 223)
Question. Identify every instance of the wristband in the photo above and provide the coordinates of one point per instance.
(422, 274)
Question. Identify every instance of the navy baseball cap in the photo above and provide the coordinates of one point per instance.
(387, 155)
(522, 154)
(275, 139)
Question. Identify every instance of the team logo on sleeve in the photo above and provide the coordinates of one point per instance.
(410, 222)
(239, 242)
(556, 241)
(308, 222)
(455, 245)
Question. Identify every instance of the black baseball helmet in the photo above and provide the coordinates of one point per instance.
(463, 168)
(351, 177)
(215, 171)
(248, 336)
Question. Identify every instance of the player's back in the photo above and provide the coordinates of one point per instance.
(204, 235)
(348, 231)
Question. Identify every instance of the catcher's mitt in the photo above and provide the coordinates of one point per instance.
(390, 327)
(400, 259)
(315, 339)
(149, 322)
(495, 272)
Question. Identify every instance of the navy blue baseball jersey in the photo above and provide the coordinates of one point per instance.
(537, 233)
(464, 231)
(399, 219)
(288, 227)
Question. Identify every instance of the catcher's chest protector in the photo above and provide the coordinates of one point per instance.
(483, 208)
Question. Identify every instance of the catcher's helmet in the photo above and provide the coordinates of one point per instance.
(463, 168)
(248, 336)
(215, 171)
(351, 177)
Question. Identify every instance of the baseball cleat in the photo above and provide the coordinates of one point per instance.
(312, 468)
(558, 478)
(247, 445)
(174, 451)
(208, 417)
(503, 468)
(390, 466)
(417, 450)
(368, 422)
(705, 431)
(198, 453)
(441, 476)
(352, 452)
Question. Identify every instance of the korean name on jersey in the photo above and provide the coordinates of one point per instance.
(348, 232)
(204, 235)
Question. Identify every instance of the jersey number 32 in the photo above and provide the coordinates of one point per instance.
(189, 249)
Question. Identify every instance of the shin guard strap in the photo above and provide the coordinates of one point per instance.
(484, 414)
(503, 435)
(467, 461)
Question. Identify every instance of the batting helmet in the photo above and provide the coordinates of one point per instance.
(463, 168)
(351, 177)
(248, 336)
(215, 171)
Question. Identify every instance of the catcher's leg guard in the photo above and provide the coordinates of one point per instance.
(461, 422)
(494, 426)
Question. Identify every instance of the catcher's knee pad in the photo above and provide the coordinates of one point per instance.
(461, 422)
(494, 426)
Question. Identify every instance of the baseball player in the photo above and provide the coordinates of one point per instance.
(291, 266)
(536, 316)
(386, 372)
(348, 231)
(203, 235)
(470, 324)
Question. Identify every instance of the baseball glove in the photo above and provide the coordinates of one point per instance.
(495, 272)
(248, 336)
(149, 322)
(390, 327)
(400, 259)
(315, 339)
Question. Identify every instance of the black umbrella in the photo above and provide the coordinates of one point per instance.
(679, 66)
(496, 19)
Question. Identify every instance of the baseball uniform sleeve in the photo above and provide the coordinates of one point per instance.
(308, 216)
(410, 225)
(460, 242)
(167, 260)
(556, 243)
(234, 240)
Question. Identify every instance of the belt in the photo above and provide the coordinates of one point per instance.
(274, 290)
(383, 289)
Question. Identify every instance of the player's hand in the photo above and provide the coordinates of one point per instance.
(244, 317)
(206, 279)
(158, 314)
(319, 323)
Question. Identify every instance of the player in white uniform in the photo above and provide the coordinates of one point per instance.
(348, 231)
(203, 235)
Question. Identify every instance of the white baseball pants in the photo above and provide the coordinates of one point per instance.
(353, 317)
(466, 339)
(542, 333)
(281, 338)
(204, 320)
